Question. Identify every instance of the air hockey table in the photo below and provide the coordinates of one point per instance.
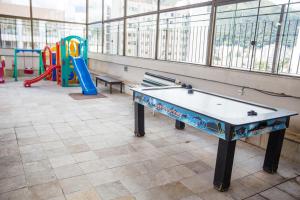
(227, 118)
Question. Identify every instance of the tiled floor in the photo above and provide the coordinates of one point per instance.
(55, 148)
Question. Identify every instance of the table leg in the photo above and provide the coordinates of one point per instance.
(273, 151)
(179, 125)
(110, 88)
(121, 87)
(96, 82)
(139, 120)
(224, 164)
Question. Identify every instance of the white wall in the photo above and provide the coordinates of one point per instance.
(219, 80)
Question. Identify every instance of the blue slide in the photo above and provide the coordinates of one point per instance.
(85, 80)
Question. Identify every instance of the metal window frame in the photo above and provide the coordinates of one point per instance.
(210, 40)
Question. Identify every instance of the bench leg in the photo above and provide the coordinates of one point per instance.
(273, 151)
(96, 82)
(224, 164)
(110, 88)
(121, 87)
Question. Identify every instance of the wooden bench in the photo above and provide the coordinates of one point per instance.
(109, 80)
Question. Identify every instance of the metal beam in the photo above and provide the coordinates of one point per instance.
(211, 33)
(86, 19)
(124, 28)
(102, 37)
(157, 30)
(31, 23)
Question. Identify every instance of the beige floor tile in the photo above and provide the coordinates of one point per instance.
(102, 177)
(68, 171)
(291, 187)
(19, 194)
(33, 156)
(177, 190)
(137, 184)
(78, 148)
(12, 183)
(276, 194)
(75, 184)
(198, 166)
(40, 177)
(63, 151)
(92, 166)
(11, 169)
(247, 186)
(61, 161)
(46, 191)
(197, 183)
(112, 190)
(89, 194)
(213, 194)
(85, 156)
(41, 165)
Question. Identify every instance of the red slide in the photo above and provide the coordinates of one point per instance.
(27, 83)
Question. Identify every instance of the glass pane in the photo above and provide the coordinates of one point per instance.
(113, 9)
(113, 38)
(95, 10)
(141, 32)
(177, 3)
(141, 6)
(95, 38)
(15, 33)
(48, 33)
(15, 7)
(183, 35)
(289, 46)
(234, 31)
(67, 10)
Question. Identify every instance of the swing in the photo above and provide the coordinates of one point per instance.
(28, 70)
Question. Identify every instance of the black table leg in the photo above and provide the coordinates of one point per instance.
(224, 164)
(121, 87)
(273, 151)
(110, 88)
(179, 125)
(139, 120)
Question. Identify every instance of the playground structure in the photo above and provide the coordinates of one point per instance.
(27, 70)
(66, 63)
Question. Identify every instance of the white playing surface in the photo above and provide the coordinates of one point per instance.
(214, 106)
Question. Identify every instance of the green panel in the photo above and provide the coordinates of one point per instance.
(66, 61)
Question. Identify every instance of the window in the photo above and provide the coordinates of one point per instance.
(95, 38)
(141, 6)
(113, 9)
(67, 10)
(15, 33)
(164, 4)
(15, 7)
(48, 33)
(234, 30)
(141, 36)
(183, 35)
(258, 37)
(113, 38)
(95, 11)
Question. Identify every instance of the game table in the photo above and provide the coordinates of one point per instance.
(227, 118)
